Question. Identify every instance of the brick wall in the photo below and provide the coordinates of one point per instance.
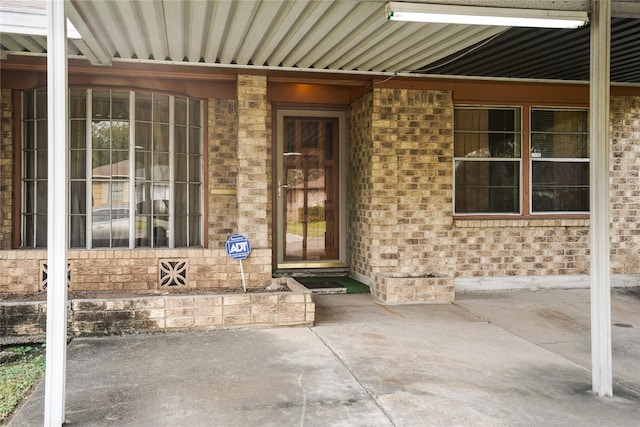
(360, 156)
(6, 168)
(625, 185)
(253, 162)
(293, 307)
(223, 170)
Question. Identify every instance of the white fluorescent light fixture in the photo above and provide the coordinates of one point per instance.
(497, 16)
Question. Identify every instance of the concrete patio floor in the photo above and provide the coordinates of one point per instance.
(489, 359)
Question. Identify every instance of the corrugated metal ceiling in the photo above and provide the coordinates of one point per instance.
(347, 36)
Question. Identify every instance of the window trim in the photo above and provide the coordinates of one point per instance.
(525, 172)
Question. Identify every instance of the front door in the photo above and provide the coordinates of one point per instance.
(308, 200)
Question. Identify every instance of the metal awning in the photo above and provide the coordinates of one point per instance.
(325, 35)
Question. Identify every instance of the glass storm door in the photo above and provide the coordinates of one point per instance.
(308, 192)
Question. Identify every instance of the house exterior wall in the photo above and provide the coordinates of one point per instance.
(403, 238)
(6, 168)
(238, 201)
(625, 185)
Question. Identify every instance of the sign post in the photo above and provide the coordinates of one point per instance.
(238, 247)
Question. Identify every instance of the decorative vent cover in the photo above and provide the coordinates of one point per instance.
(44, 275)
(173, 272)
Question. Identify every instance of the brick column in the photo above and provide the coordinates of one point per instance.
(253, 174)
(6, 168)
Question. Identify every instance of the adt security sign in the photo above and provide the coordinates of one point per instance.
(238, 247)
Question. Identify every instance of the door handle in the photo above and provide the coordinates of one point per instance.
(280, 187)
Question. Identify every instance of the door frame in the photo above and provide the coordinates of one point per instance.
(278, 179)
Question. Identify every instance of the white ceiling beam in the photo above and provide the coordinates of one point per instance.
(90, 47)
(298, 31)
(377, 45)
(156, 32)
(387, 49)
(242, 16)
(288, 16)
(346, 31)
(197, 31)
(262, 23)
(359, 34)
(130, 15)
(219, 22)
(175, 34)
(322, 29)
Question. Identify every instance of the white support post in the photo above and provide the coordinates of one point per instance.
(600, 198)
(57, 223)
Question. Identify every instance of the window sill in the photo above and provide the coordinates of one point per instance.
(532, 221)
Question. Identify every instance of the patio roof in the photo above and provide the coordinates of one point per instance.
(324, 35)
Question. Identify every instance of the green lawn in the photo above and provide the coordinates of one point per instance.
(17, 378)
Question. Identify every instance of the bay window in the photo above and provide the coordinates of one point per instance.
(135, 164)
(520, 161)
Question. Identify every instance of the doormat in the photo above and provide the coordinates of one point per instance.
(352, 286)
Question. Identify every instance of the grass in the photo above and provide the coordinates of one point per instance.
(17, 378)
(314, 229)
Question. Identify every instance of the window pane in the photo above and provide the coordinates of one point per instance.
(143, 107)
(194, 230)
(483, 132)
(101, 163)
(143, 165)
(28, 223)
(101, 105)
(160, 231)
(41, 231)
(181, 111)
(78, 104)
(101, 134)
(194, 141)
(28, 170)
(78, 166)
(181, 230)
(181, 167)
(119, 105)
(29, 197)
(194, 199)
(194, 168)
(161, 167)
(120, 135)
(120, 165)
(41, 104)
(78, 136)
(41, 197)
(559, 133)
(143, 136)
(42, 164)
(180, 142)
(78, 197)
(487, 187)
(28, 135)
(27, 105)
(560, 186)
(77, 231)
(181, 199)
(161, 138)
(194, 112)
(41, 137)
(161, 108)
